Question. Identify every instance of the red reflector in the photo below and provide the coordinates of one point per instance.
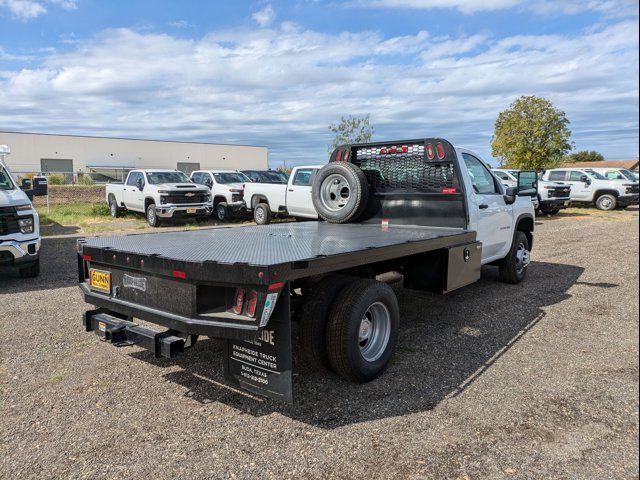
(87, 258)
(179, 274)
(238, 301)
(252, 302)
(440, 150)
(339, 156)
(430, 153)
(449, 190)
(405, 149)
(346, 155)
(383, 151)
(275, 286)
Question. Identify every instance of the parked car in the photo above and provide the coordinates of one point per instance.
(160, 195)
(509, 178)
(19, 225)
(591, 187)
(266, 176)
(227, 188)
(238, 284)
(292, 199)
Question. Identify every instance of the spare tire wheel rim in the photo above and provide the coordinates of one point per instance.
(523, 258)
(374, 332)
(335, 192)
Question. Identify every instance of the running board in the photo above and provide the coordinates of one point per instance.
(121, 332)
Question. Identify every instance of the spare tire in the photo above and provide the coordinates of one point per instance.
(340, 192)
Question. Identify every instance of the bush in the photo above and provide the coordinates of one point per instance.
(57, 179)
(85, 180)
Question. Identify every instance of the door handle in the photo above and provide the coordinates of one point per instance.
(291, 189)
(482, 207)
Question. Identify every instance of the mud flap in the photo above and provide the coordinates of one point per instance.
(263, 366)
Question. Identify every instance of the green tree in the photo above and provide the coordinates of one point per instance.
(531, 134)
(351, 129)
(584, 156)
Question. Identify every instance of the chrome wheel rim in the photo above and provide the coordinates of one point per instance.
(259, 215)
(151, 216)
(113, 209)
(335, 192)
(523, 258)
(374, 331)
(221, 212)
(606, 203)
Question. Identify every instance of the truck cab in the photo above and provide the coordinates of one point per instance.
(227, 190)
(591, 187)
(19, 226)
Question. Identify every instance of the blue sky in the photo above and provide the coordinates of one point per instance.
(277, 73)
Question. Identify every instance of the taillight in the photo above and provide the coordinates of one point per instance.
(179, 274)
(238, 301)
(252, 303)
(449, 190)
(339, 156)
(440, 150)
(430, 153)
(346, 155)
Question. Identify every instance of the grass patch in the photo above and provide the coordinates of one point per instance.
(57, 377)
(85, 218)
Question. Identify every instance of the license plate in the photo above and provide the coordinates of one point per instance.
(192, 210)
(100, 280)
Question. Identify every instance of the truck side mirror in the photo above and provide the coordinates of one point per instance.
(585, 179)
(140, 184)
(208, 182)
(25, 184)
(527, 183)
(510, 194)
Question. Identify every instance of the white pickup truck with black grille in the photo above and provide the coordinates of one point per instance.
(159, 194)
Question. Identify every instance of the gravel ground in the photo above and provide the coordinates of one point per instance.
(493, 381)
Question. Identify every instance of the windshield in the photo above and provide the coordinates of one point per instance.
(267, 176)
(628, 174)
(156, 178)
(596, 175)
(5, 180)
(232, 177)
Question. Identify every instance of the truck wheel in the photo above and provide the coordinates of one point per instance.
(606, 202)
(513, 267)
(31, 271)
(222, 211)
(114, 210)
(362, 330)
(262, 214)
(340, 192)
(313, 320)
(152, 216)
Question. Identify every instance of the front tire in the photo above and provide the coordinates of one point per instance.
(606, 202)
(513, 268)
(222, 212)
(262, 214)
(152, 216)
(362, 330)
(31, 271)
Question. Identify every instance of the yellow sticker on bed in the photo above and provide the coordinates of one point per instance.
(100, 280)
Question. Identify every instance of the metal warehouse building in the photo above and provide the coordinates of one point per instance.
(111, 158)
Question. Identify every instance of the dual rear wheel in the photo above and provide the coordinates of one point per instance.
(350, 326)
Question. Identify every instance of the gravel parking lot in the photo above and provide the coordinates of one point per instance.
(532, 381)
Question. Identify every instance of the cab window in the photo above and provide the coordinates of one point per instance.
(614, 175)
(502, 175)
(481, 178)
(303, 177)
(133, 178)
(557, 175)
(575, 176)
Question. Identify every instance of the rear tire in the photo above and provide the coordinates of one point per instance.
(340, 192)
(152, 216)
(362, 330)
(114, 209)
(31, 271)
(513, 267)
(314, 316)
(262, 214)
(606, 202)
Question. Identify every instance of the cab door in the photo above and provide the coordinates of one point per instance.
(490, 214)
(580, 190)
(299, 193)
(133, 196)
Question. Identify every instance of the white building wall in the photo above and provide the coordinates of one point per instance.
(27, 149)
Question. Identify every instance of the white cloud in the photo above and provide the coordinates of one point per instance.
(282, 86)
(465, 6)
(264, 17)
(25, 10)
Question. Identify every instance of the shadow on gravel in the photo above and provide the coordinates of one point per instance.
(445, 344)
(58, 268)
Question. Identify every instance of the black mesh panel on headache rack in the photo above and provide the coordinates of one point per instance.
(404, 168)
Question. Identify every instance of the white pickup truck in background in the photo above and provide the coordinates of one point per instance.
(591, 187)
(227, 187)
(292, 199)
(159, 194)
(19, 225)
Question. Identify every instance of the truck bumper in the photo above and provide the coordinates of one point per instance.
(237, 207)
(19, 253)
(555, 204)
(626, 200)
(182, 211)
